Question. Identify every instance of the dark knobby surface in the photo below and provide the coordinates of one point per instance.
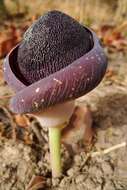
(54, 41)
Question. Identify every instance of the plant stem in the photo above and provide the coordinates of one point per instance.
(55, 155)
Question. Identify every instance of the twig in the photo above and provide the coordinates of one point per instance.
(6, 96)
(121, 27)
(108, 150)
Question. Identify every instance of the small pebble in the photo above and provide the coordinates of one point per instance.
(49, 182)
(21, 146)
(77, 159)
(107, 168)
(55, 182)
(70, 172)
(40, 163)
(80, 178)
(63, 182)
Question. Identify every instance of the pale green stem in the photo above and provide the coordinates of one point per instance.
(55, 155)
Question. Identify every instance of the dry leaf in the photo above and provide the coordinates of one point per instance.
(109, 73)
(22, 120)
(9, 39)
(7, 125)
(112, 37)
(79, 127)
(36, 183)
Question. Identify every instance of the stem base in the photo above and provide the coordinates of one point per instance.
(55, 155)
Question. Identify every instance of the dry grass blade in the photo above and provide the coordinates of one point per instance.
(108, 150)
(122, 27)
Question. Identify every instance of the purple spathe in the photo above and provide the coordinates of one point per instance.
(69, 83)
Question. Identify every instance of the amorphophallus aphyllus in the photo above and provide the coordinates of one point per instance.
(57, 61)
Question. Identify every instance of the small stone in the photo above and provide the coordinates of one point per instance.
(89, 184)
(21, 146)
(40, 164)
(70, 172)
(107, 168)
(77, 159)
(3, 165)
(55, 182)
(99, 187)
(49, 182)
(80, 178)
(63, 182)
(109, 186)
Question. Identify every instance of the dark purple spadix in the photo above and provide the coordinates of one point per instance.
(57, 61)
(53, 42)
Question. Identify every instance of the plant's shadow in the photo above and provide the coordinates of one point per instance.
(111, 111)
